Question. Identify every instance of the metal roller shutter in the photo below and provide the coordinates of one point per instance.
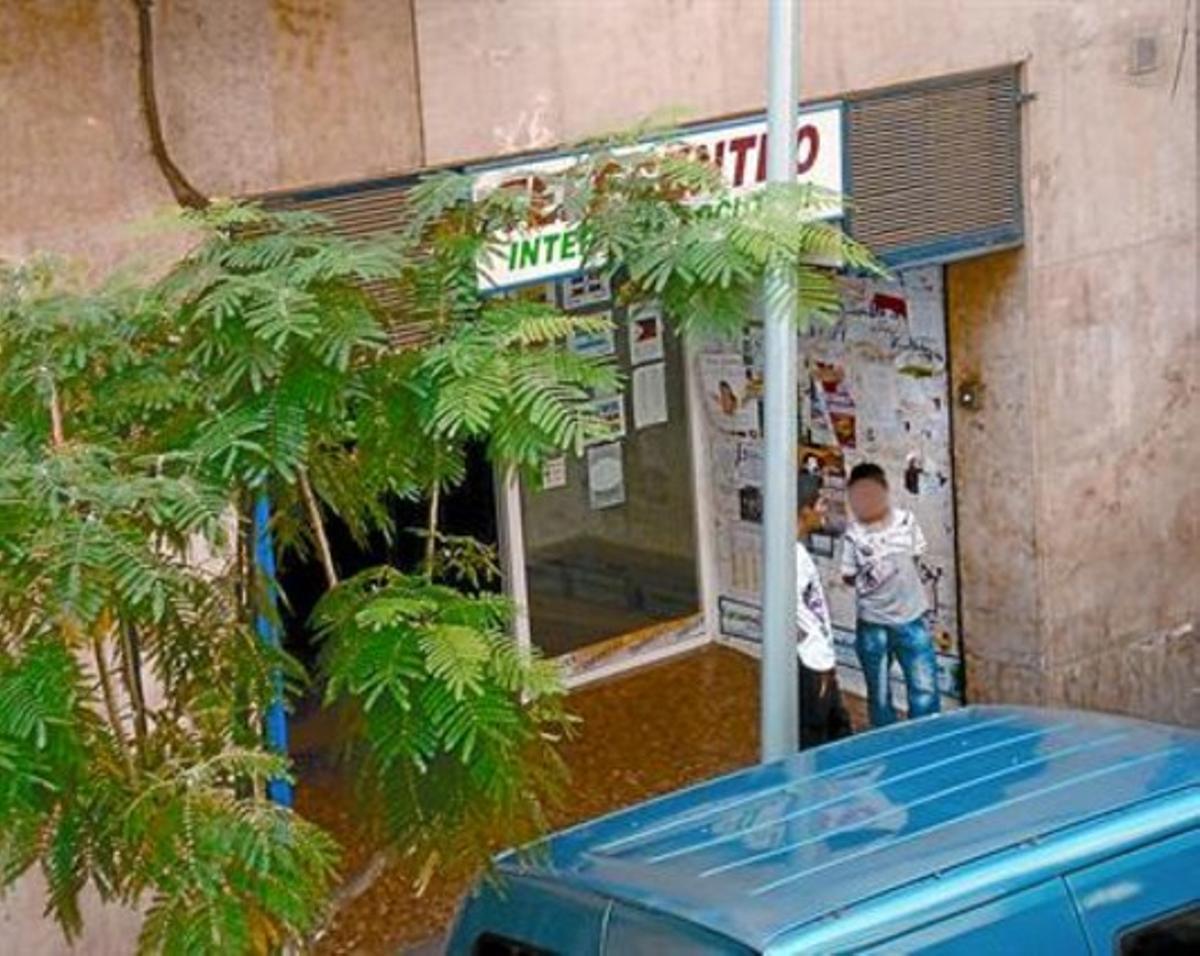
(361, 210)
(935, 167)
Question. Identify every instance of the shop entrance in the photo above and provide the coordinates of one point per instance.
(873, 386)
(467, 509)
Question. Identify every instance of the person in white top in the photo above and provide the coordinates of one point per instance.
(823, 716)
(879, 558)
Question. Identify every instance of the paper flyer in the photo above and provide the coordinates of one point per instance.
(594, 344)
(649, 395)
(554, 473)
(606, 476)
(729, 393)
(584, 290)
(645, 333)
(610, 409)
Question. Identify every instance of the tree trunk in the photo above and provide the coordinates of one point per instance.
(354, 887)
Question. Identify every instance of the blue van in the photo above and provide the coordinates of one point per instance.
(983, 830)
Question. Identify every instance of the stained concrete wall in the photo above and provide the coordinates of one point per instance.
(254, 95)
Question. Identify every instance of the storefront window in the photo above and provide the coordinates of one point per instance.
(609, 536)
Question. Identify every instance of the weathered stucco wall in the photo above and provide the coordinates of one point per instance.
(500, 77)
(253, 96)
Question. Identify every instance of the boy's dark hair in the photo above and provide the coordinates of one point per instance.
(867, 471)
(808, 490)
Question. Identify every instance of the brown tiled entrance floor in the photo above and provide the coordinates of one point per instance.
(642, 734)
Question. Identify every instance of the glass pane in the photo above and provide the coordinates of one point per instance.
(609, 537)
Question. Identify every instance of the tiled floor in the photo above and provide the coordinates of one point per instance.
(644, 733)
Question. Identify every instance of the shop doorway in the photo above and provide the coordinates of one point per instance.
(468, 509)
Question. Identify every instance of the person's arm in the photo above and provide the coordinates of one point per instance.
(812, 613)
(849, 561)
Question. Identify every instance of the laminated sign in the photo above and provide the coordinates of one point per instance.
(550, 246)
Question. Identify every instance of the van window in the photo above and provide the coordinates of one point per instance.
(489, 944)
(1174, 933)
(637, 932)
(1136, 890)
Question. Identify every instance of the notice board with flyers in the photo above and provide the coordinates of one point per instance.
(872, 386)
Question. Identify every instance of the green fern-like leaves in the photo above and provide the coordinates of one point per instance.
(454, 728)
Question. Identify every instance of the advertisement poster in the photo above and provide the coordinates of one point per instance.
(834, 403)
(645, 333)
(829, 462)
(730, 394)
(649, 395)
(749, 463)
(554, 473)
(594, 344)
(606, 476)
(610, 409)
(589, 288)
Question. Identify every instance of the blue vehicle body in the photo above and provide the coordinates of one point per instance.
(988, 829)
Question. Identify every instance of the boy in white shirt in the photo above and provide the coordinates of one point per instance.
(879, 557)
(823, 717)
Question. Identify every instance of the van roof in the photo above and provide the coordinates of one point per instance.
(854, 834)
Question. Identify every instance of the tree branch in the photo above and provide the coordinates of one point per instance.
(353, 888)
(110, 705)
(57, 435)
(184, 192)
(431, 530)
(131, 658)
(324, 552)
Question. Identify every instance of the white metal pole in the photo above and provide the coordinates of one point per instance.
(780, 706)
(512, 553)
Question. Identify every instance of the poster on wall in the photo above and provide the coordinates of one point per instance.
(729, 394)
(585, 289)
(594, 344)
(746, 563)
(645, 333)
(740, 619)
(829, 463)
(749, 462)
(833, 403)
(606, 476)
(554, 473)
(649, 395)
(610, 410)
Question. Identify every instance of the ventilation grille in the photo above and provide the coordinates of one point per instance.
(935, 169)
(361, 210)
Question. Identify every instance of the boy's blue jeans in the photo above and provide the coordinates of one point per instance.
(911, 645)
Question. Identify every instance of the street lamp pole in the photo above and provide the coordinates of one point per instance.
(780, 706)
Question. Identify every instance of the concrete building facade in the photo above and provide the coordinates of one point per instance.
(1074, 360)
(1078, 503)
